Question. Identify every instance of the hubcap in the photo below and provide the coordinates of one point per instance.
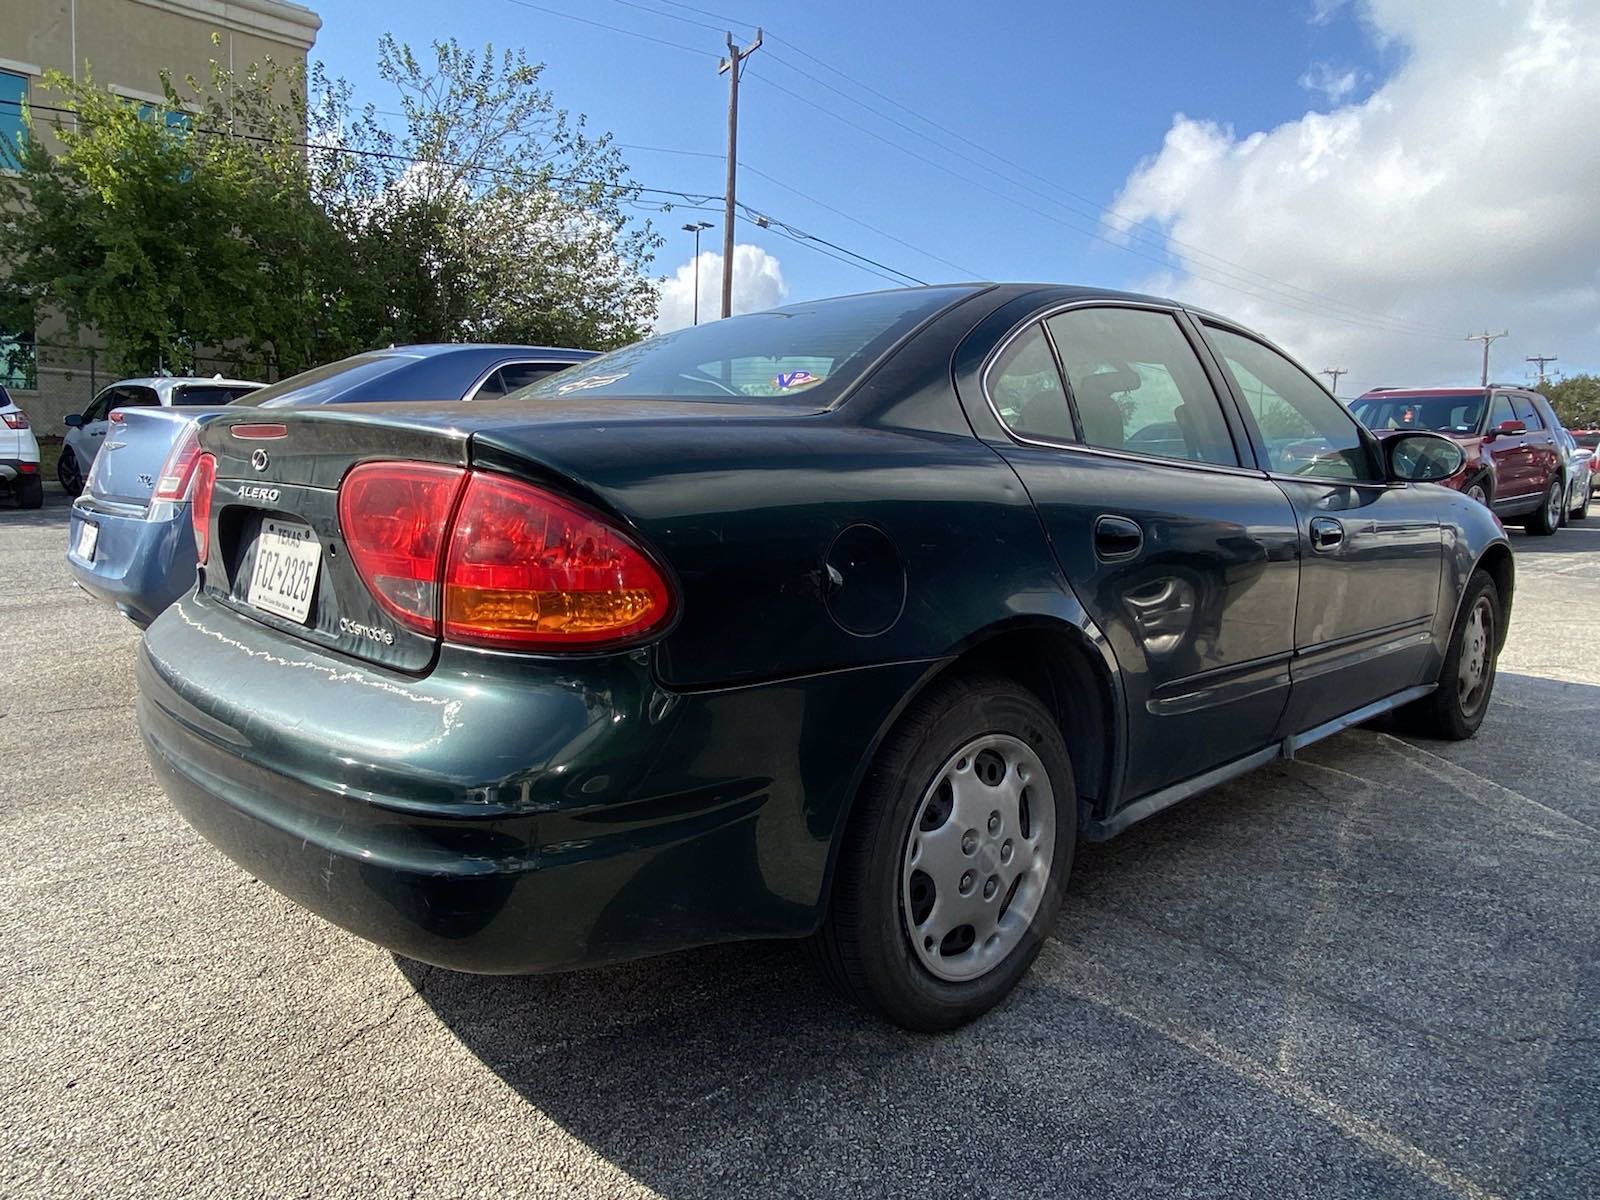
(1477, 657)
(978, 857)
(1477, 493)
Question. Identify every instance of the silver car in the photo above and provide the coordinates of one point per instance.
(86, 431)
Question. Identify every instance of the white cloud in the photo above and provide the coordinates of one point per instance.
(1330, 82)
(757, 284)
(1323, 11)
(1459, 195)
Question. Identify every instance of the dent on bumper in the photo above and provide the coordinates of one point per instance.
(507, 817)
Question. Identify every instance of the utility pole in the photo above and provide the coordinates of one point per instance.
(1541, 359)
(1334, 373)
(731, 65)
(1486, 337)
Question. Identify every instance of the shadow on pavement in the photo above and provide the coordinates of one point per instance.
(1371, 971)
(1576, 537)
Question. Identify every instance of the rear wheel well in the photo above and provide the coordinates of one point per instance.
(1498, 563)
(1071, 683)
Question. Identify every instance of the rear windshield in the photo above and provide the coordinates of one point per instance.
(805, 353)
(209, 393)
(1452, 413)
(320, 385)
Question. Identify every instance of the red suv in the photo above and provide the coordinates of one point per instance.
(1514, 463)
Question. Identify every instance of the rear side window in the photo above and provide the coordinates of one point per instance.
(1527, 413)
(1305, 430)
(1025, 389)
(135, 397)
(515, 375)
(1138, 386)
(208, 393)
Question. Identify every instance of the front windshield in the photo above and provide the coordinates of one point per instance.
(1445, 413)
(803, 353)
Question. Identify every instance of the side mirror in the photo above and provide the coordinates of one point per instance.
(1508, 429)
(72, 420)
(1423, 457)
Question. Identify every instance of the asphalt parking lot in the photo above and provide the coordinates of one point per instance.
(1374, 971)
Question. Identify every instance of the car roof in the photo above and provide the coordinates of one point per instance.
(436, 349)
(162, 382)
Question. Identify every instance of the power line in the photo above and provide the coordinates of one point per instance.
(1334, 373)
(1540, 360)
(633, 33)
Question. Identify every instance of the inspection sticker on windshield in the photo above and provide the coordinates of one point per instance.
(788, 381)
(285, 575)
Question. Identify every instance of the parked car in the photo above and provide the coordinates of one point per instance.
(1577, 474)
(86, 431)
(1589, 439)
(1514, 463)
(850, 618)
(130, 541)
(19, 455)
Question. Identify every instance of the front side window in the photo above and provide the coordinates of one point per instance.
(1526, 413)
(135, 396)
(1305, 430)
(1138, 386)
(805, 354)
(100, 406)
(13, 131)
(1025, 388)
(1501, 412)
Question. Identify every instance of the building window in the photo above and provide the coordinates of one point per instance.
(13, 95)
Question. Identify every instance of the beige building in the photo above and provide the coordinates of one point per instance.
(123, 45)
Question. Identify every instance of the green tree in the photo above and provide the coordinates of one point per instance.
(1576, 400)
(235, 216)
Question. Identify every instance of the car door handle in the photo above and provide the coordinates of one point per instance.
(1326, 534)
(1117, 538)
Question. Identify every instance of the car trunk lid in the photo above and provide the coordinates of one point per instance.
(137, 444)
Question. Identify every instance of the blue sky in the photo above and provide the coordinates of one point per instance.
(1303, 166)
(1077, 93)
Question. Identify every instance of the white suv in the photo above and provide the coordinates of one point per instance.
(86, 430)
(19, 455)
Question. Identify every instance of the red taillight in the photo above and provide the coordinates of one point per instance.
(205, 477)
(28, 468)
(14, 420)
(394, 517)
(529, 569)
(178, 471)
(259, 433)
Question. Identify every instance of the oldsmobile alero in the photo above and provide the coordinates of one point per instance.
(848, 619)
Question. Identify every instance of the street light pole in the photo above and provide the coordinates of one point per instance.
(695, 229)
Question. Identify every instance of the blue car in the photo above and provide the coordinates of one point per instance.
(131, 543)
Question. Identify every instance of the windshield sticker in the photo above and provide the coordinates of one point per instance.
(788, 381)
(593, 381)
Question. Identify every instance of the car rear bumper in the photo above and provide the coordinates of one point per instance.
(501, 815)
(140, 566)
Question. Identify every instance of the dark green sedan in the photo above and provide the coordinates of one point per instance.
(847, 620)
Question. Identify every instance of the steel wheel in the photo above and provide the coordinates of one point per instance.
(1477, 658)
(978, 857)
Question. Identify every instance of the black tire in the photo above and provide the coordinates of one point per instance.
(68, 473)
(1546, 519)
(1448, 713)
(29, 490)
(865, 940)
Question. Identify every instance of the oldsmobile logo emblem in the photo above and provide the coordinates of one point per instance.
(259, 459)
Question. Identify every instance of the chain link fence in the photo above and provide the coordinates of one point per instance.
(64, 378)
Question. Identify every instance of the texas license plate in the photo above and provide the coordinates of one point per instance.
(88, 539)
(285, 575)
